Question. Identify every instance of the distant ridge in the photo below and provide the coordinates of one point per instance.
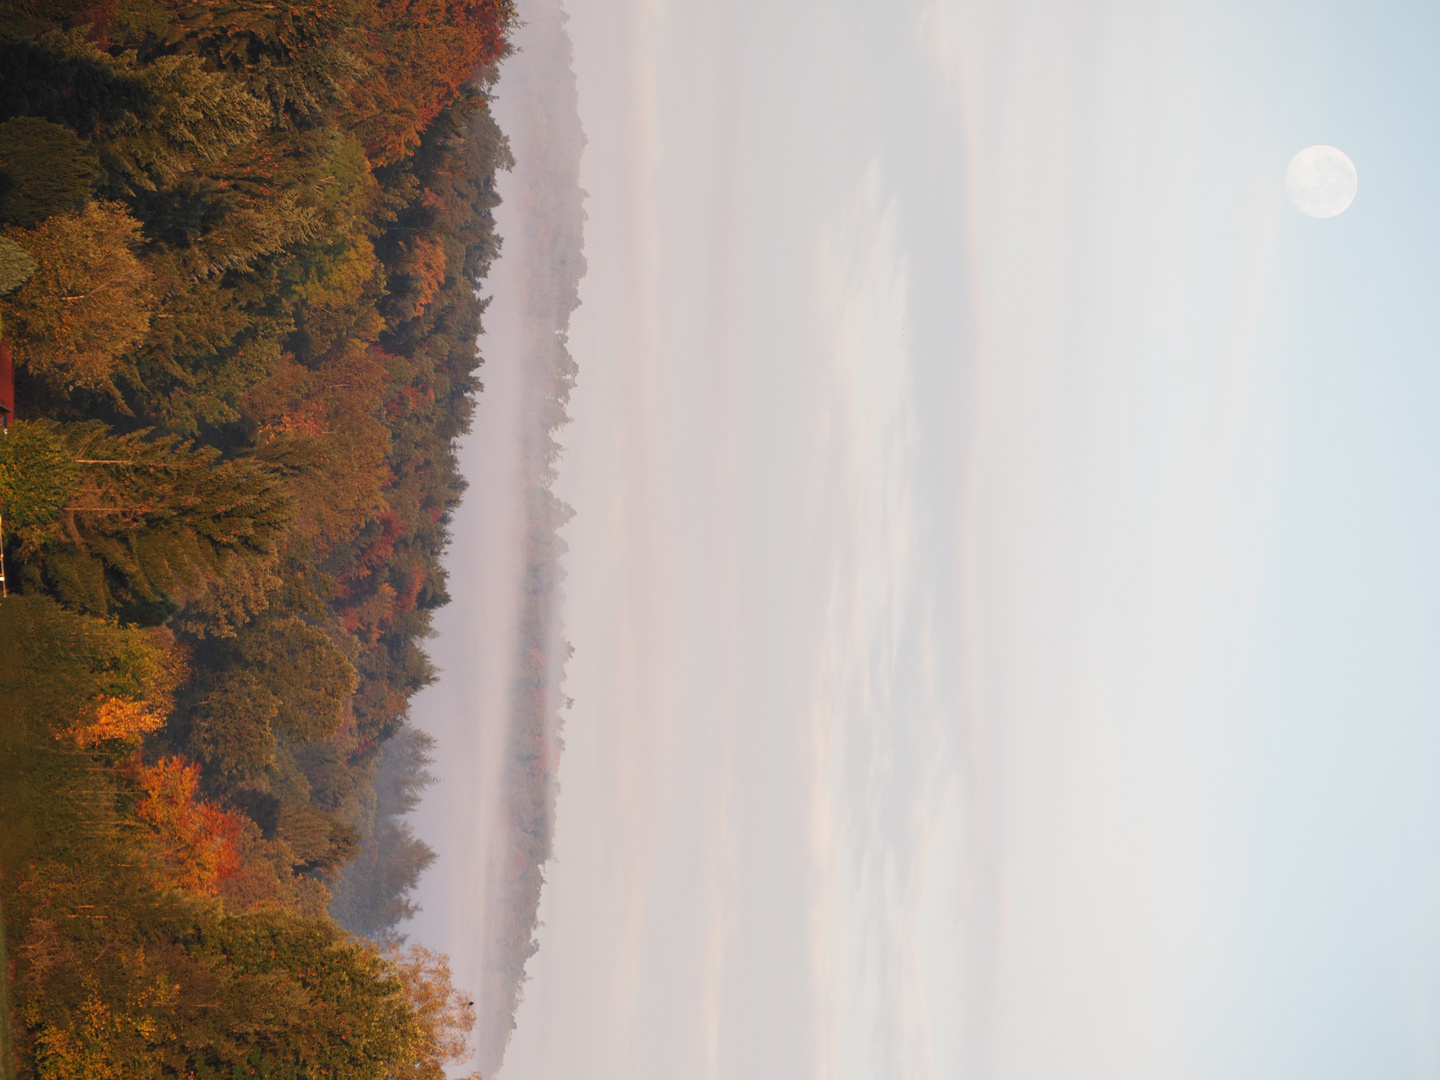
(545, 243)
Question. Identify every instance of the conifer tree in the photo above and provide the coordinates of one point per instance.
(147, 522)
(44, 169)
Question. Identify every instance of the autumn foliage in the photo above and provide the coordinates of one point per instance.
(444, 1014)
(423, 51)
(127, 958)
(194, 840)
(120, 720)
(89, 301)
(243, 354)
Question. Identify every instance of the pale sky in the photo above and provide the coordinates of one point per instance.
(1005, 582)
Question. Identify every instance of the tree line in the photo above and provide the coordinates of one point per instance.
(239, 248)
(549, 242)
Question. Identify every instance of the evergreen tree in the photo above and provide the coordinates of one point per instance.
(147, 521)
(44, 170)
(38, 474)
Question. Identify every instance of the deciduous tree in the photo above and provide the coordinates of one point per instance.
(118, 720)
(195, 842)
(445, 1014)
(88, 303)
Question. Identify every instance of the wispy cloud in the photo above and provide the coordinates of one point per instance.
(921, 459)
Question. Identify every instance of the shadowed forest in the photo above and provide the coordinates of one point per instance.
(239, 253)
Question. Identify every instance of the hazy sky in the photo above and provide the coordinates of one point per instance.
(1005, 582)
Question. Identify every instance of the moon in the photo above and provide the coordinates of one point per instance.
(1321, 181)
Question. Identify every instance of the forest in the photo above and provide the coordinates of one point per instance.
(240, 244)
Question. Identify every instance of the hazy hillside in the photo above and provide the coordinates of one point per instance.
(544, 246)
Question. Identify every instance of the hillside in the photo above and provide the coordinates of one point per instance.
(544, 265)
(239, 253)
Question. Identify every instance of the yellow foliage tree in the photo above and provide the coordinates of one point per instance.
(119, 719)
(101, 1042)
(89, 301)
(446, 1016)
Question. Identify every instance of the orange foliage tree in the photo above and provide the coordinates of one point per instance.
(196, 842)
(119, 719)
(421, 52)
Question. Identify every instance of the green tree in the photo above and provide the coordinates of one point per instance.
(321, 843)
(232, 723)
(277, 676)
(38, 474)
(309, 676)
(16, 266)
(194, 116)
(148, 121)
(148, 521)
(233, 997)
(298, 1001)
(44, 169)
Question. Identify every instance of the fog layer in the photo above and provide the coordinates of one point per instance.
(497, 710)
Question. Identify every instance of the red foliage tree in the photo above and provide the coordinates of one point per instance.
(197, 843)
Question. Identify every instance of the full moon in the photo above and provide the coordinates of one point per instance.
(1321, 181)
